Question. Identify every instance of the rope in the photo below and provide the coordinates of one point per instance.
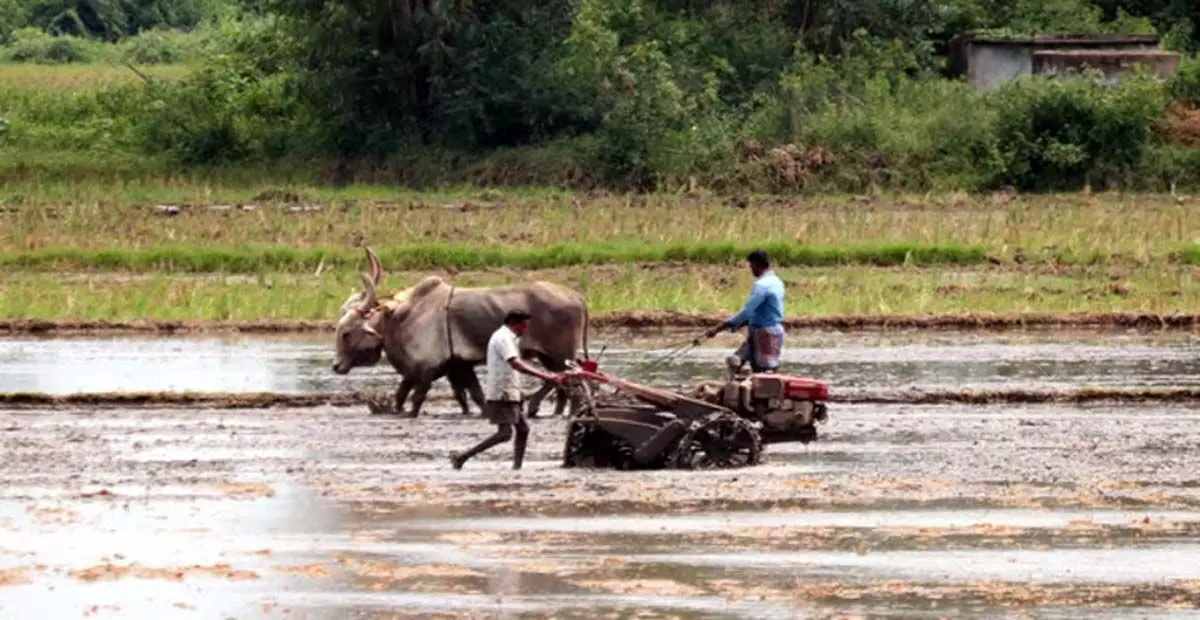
(673, 353)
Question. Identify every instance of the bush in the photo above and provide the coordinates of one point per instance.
(220, 115)
(1063, 133)
(1165, 166)
(35, 46)
(158, 47)
(1185, 84)
(889, 123)
(12, 18)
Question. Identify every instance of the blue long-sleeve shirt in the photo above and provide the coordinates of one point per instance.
(765, 306)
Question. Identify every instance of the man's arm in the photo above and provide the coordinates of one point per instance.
(521, 365)
(757, 295)
(513, 356)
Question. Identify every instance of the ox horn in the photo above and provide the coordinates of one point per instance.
(376, 266)
(369, 296)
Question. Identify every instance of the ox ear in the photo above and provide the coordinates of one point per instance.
(376, 266)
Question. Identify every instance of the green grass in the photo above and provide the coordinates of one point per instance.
(200, 259)
(71, 78)
(811, 291)
(1071, 227)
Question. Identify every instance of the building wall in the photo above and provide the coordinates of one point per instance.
(990, 62)
(1114, 65)
(990, 66)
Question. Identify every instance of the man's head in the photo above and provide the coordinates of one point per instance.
(759, 262)
(518, 321)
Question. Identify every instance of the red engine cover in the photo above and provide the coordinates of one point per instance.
(798, 388)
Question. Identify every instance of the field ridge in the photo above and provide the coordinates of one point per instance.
(349, 398)
(656, 320)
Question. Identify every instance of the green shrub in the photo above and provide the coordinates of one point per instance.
(35, 46)
(12, 18)
(158, 47)
(1059, 133)
(96, 120)
(1165, 166)
(888, 123)
(1186, 83)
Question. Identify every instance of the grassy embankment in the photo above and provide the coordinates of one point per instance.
(102, 252)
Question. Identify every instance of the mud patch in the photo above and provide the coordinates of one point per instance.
(313, 571)
(253, 491)
(1019, 396)
(642, 587)
(1178, 595)
(124, 400)
(14, 576)
(112, 572)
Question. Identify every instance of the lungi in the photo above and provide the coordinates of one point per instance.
(763, 348)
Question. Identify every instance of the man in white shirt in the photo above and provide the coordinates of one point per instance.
(502, 392)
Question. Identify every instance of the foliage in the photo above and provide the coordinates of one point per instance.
(111, 19)
(35, 46)
(159, 47)
(635, 94)
(1056, 133)
(12, 18)
(1186, 84)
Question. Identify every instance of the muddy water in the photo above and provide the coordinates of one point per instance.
(898, 511)
(329, 513)
(294, 364)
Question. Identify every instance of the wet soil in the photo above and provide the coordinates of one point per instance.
(919, 510)
(908, 511)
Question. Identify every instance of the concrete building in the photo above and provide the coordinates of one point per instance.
(989, 62)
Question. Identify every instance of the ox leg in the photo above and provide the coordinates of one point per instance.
(470, 381)
(420, 391)
(406, 385)
(462, 378)
(456, 386)
(535, 401)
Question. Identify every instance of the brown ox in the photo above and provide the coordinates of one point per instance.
(435, 329)
(459, 374)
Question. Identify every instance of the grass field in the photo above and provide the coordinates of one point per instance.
(77, 77)
(823, 291)
(1066, 228)
(91, 251)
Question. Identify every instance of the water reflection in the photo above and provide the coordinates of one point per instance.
(292, 364)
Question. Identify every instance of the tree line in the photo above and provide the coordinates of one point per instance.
(780, 94)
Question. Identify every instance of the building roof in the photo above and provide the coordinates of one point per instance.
(1056, 40)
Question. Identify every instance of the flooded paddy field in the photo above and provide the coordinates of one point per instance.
(1044, 359)
(906, 511)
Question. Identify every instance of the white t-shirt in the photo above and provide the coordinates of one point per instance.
(503, 382)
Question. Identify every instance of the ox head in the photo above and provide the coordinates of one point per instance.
(357, 340)
(356, 299)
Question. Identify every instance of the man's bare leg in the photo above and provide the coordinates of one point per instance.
(503, 434)
(522, 428)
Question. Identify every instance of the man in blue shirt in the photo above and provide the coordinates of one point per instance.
(763, 314)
